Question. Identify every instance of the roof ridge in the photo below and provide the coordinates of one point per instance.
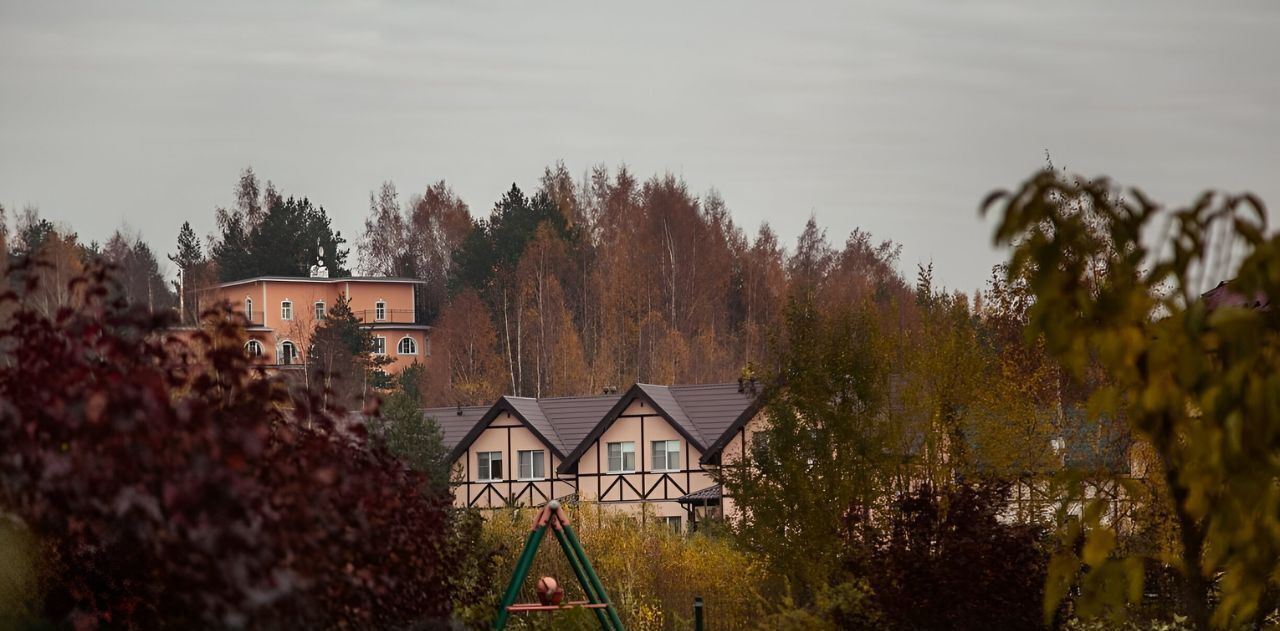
(577, 396)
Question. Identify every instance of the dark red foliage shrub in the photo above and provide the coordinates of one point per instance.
(173, 487)
(948, 562)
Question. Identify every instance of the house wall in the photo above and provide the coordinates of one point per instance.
(506, 434)
(362, 296)
(393, 337)
(737, 453)
(639, 423)
(365, 295)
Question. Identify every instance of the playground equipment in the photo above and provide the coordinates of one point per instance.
(553, 516)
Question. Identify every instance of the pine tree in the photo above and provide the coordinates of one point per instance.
(405, 432)
(189, 258)
(274, 235)
(341, 360)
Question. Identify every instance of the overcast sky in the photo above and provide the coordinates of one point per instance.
(893, 116)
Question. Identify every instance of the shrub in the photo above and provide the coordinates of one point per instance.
(950, 563)
(651, 573)
(174, 489)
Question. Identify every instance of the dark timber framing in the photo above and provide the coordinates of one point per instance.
(516, 489)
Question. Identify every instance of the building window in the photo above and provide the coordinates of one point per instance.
(407, 346)
(380, 311)
(622, 457)
(248, 309)
(666, 455)
(319, 309)
(253, 348)
(286, 310)
(673, 523)
(288, 353)
(379, 345)
(531, 464)
(490, 466)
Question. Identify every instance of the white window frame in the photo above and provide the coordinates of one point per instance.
(248, 309)
(286, 356)
(253, 344)
(674, 522)
(666, 455)
(625, 447)
(536, 456)
(380, 310)
(286, 310)
(413, 346)
(320, 309)
(379, 345)
(488, 471)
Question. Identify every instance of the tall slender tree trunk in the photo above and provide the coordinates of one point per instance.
(519, 346)
(542, 337)
(1195, 588)
(506, 333)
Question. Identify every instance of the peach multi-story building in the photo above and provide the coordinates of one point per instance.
(283, 311)
(653, 446)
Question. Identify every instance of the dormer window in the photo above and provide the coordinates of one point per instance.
(319, 309)
(380, 311)
(286, 310)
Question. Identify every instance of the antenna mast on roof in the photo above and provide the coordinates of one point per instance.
(319, 270)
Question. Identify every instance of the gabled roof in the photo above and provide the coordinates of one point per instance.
(574, 417)
(455, 422)
(715, 407)
(743, 417)
(559, 422)
(665, 401)
(528, 411)
(699, 413)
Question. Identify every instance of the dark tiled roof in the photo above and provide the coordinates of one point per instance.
(454, 425)
(574, 417)
(701, 413)
(531, 412)
(570, 424)
(562, 422)
(1224, 295)
(713, 492)
(712, 407)
(665, 399)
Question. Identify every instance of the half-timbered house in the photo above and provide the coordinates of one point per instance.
(511, 455)
(647, 449)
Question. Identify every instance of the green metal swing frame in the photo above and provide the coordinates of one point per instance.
(552, 516)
